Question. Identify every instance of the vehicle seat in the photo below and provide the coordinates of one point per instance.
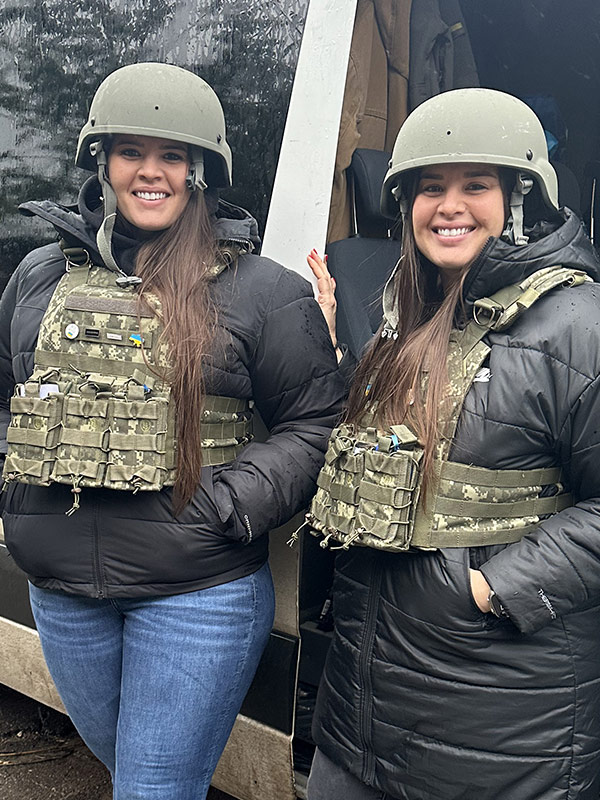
(362, 264)
(569, 193)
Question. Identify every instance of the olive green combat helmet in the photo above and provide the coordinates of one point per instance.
(482, 126)
(162, 100)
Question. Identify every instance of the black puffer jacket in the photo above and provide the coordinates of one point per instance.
(423, 695)
(273, 347)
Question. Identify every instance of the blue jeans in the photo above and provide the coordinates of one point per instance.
(153, 684)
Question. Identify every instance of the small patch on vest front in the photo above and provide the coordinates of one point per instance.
(72, 331)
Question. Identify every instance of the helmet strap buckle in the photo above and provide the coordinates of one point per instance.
(97, 151)
(514, 228)
(401, 200)
(195, 177)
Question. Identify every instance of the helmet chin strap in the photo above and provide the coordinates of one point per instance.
(401, 200)
(105, 232)
(514, 227)
(391, 314)
(195, 177)
(194, 181)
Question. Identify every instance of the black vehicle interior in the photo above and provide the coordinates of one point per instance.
(544, 52)
(362, 264)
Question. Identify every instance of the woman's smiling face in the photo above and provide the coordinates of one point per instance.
(148, 176)
(457, 207)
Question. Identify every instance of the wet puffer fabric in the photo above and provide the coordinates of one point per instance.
(423, 696)
(272, 347)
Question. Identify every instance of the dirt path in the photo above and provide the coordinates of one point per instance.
(43, 758)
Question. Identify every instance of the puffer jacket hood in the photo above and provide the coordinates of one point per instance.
(423, 695)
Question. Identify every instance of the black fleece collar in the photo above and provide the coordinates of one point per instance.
(78, 224)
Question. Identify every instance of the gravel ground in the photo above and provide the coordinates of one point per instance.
(43, 758)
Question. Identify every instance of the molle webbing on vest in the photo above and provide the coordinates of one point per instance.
(97, 411)
(369, 490)
(371, 497)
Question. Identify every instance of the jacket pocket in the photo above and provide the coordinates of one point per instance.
(454, 589)
(203, 505)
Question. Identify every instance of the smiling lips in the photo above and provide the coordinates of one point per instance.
(151, 195)
(451, 232)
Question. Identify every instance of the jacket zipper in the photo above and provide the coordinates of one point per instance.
(364, 671)
(474, 268)
(96, 557)
(239, 240)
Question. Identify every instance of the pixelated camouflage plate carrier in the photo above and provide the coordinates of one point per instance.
(94, 413)
(369, 490)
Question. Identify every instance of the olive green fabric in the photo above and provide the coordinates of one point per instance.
(369, 490)
(97, 411)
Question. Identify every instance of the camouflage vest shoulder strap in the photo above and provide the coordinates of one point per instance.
(97, 409)
(369, 491)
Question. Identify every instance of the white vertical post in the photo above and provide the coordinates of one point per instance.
(299, 209)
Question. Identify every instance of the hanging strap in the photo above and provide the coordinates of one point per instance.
(502, 309)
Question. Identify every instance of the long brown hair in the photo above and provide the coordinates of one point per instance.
(392, 369)
(175, 267)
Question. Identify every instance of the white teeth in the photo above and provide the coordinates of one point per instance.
(452, 231)
(151, 195)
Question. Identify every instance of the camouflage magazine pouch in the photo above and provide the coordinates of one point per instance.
(387, 497)
(34, 431)
(368, 489)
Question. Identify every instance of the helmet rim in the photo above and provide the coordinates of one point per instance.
(427, 122)
(162, 94)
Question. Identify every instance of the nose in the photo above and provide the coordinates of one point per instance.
(150, 168)
(452, 201)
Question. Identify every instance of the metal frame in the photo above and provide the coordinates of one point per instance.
(299, 210)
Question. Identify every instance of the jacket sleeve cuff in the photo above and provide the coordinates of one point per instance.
(529, 610)
(237, 528)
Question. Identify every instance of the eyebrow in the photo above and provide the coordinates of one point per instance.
(479, 173)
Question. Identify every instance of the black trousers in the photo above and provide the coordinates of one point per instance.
(327, 781)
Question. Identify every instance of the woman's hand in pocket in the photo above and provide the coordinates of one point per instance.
(480, 589)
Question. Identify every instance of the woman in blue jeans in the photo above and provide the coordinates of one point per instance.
(144, 532)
